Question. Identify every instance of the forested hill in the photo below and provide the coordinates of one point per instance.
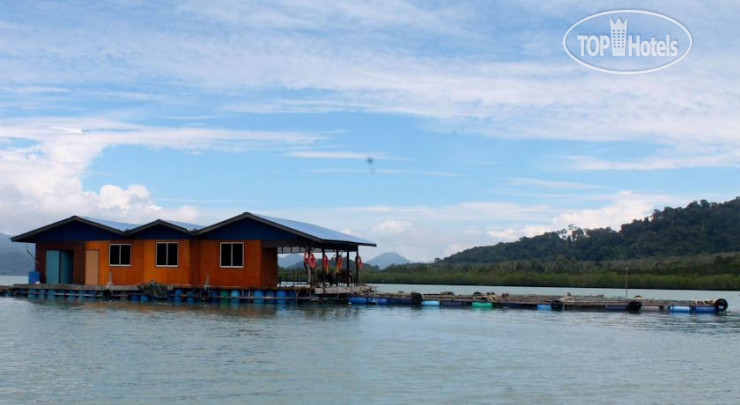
(700, 227)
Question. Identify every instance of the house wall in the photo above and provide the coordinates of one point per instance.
(198, 260)
(251, 275)
(269, 267)
(143, 263)
(78, 258)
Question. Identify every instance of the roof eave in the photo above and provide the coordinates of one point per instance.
(25, 237)
(249, 215)
(159, 222)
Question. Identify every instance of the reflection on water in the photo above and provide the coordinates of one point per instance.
(71, 351)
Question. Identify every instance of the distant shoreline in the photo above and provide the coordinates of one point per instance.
(718, 282)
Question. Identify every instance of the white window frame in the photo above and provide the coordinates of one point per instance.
(220, 253)
(156, 253)
(130, 253)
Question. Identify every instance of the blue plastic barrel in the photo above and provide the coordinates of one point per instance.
(703, 309)
(399, 301)
(358, 300)
(258, 294)
(377, 301)
(34, 277)
(32, 293)
(448, 303)
(544, 307)
(143, 298)
(189, 296)
(235, 294)
(269, 294)
(430, 303)
(51, 294)
(679, 308)
(281, 294)
(615, 307)
(177, 297)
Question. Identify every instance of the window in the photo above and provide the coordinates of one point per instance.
(119, 255)
(232, 254)
(166, 254)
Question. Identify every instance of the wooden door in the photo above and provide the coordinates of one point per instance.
(52, 267)
(91, 267)
(65, 266)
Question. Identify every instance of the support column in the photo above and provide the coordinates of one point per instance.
(346, 278)
(308, 276)
(357, 269)
(323, 272)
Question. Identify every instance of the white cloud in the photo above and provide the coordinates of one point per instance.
(373, 170)
(41, 180)
(513, 234)
(623, 207)
(372, 56)
(565, 185)
(730, 157)
(315, 154)
(391, 226)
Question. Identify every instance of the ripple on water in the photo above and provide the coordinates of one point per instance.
(59, 351)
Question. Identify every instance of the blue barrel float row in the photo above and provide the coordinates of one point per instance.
(190, 295)
(719, 306)
(219, 295)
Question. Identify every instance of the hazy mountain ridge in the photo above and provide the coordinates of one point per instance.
(14, 260)
(387, 259)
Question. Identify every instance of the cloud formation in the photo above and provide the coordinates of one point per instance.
(44, 160)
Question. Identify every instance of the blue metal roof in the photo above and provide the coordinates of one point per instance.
(316, 231)
(119, 226)
(186, 225)
(244, 226)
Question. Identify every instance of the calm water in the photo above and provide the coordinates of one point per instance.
(119, 352)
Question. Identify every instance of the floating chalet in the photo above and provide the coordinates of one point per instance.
(240, 252)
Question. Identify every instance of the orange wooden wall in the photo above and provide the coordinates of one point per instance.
(198, 260)
(209, 265)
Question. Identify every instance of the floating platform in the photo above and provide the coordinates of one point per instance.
(184, 293)
(542, 302)
(356, 295)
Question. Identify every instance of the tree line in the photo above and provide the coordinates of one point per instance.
(692, 247)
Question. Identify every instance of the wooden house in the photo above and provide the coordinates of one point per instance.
(239, 252)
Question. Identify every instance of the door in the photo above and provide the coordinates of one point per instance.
(91, 267)
(65, 267)
(58, 267)
(52, 266)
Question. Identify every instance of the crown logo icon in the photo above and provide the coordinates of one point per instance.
(619, 36)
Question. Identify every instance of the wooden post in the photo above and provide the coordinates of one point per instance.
(308, 277)
(626, 281)
(348, 269)
(357, 269)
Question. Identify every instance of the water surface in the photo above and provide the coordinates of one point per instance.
(59, 351)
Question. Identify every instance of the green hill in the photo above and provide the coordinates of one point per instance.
(696, 247)
(699, 228)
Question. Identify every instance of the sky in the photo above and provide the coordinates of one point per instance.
(427, 127)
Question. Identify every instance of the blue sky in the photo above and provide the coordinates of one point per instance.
(479, 126)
